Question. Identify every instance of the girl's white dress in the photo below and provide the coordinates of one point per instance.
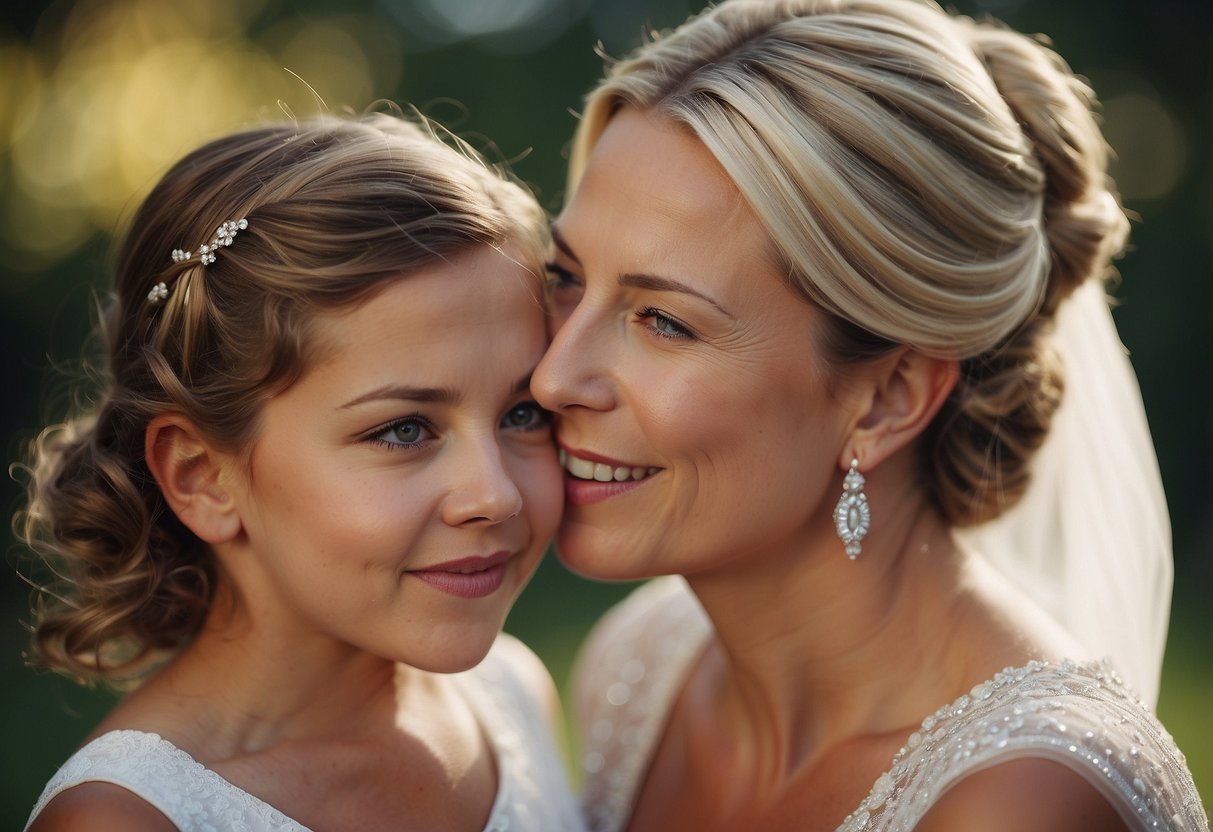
(1078, 714)
(533, 792)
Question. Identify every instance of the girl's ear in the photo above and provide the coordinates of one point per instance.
(904, 398)
(189, 472)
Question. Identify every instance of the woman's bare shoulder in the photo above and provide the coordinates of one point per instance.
(1030, 793)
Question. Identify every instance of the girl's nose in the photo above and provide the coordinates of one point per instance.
(485, 491)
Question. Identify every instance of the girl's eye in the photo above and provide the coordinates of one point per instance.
(405, 433)
(526, 416)
(561, 279)
(665, 326)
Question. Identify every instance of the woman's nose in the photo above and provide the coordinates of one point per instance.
(572, 372)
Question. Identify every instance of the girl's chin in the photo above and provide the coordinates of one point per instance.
(458, 654)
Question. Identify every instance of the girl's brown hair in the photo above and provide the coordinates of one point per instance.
(337, 208)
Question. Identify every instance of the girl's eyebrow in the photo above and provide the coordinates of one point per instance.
(428, 395)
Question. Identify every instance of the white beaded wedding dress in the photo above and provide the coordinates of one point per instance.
(1079, 714)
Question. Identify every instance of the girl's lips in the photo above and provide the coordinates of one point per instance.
(474, 577)
(465, 584)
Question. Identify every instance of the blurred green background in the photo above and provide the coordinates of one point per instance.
(97, 97)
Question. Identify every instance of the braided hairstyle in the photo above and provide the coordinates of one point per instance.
(923, 179)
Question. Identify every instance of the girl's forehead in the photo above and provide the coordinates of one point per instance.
(438, 308)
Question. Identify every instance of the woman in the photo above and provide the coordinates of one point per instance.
(806, 287)
(312, 486)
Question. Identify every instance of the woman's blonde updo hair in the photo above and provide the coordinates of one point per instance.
(924, 180)
(337, 209)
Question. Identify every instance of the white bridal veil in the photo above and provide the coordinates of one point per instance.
(1091, 540)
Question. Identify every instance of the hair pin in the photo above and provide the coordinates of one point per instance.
(224, 236)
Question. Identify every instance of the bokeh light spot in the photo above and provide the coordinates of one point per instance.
(1151, 149)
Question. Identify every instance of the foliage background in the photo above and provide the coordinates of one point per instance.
(97, 97)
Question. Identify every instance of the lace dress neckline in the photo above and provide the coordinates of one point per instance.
(208, 786)
(167, 777)
(532, 790)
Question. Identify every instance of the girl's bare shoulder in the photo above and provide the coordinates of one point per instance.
(100, 807)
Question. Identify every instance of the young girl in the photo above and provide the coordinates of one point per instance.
(313, 485)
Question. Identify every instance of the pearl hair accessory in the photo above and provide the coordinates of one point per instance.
(206, 254)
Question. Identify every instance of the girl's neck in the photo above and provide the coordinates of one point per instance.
(239, 687)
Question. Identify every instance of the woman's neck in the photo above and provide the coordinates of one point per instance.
(814, 649)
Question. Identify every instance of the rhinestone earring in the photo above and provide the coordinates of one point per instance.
(852, 517)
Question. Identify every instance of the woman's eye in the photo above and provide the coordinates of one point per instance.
(665, 326)
(402, 434)
(526, 416)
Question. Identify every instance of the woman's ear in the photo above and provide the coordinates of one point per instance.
(908, 391)
(189, 472)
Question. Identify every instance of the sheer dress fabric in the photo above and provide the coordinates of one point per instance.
(1079, 714)
(533, 792)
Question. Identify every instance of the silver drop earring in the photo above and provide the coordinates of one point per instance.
(852, 517)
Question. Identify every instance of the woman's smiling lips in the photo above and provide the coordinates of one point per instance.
(473, 577)
(591, 478)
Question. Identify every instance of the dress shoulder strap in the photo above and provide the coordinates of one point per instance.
(625, 683)
(190, 795)
(1081, 715)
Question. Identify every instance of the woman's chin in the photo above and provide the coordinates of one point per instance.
(601, 562)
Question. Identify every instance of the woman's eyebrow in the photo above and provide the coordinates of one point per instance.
(655, 283)
(563, 245)
(651, 282)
